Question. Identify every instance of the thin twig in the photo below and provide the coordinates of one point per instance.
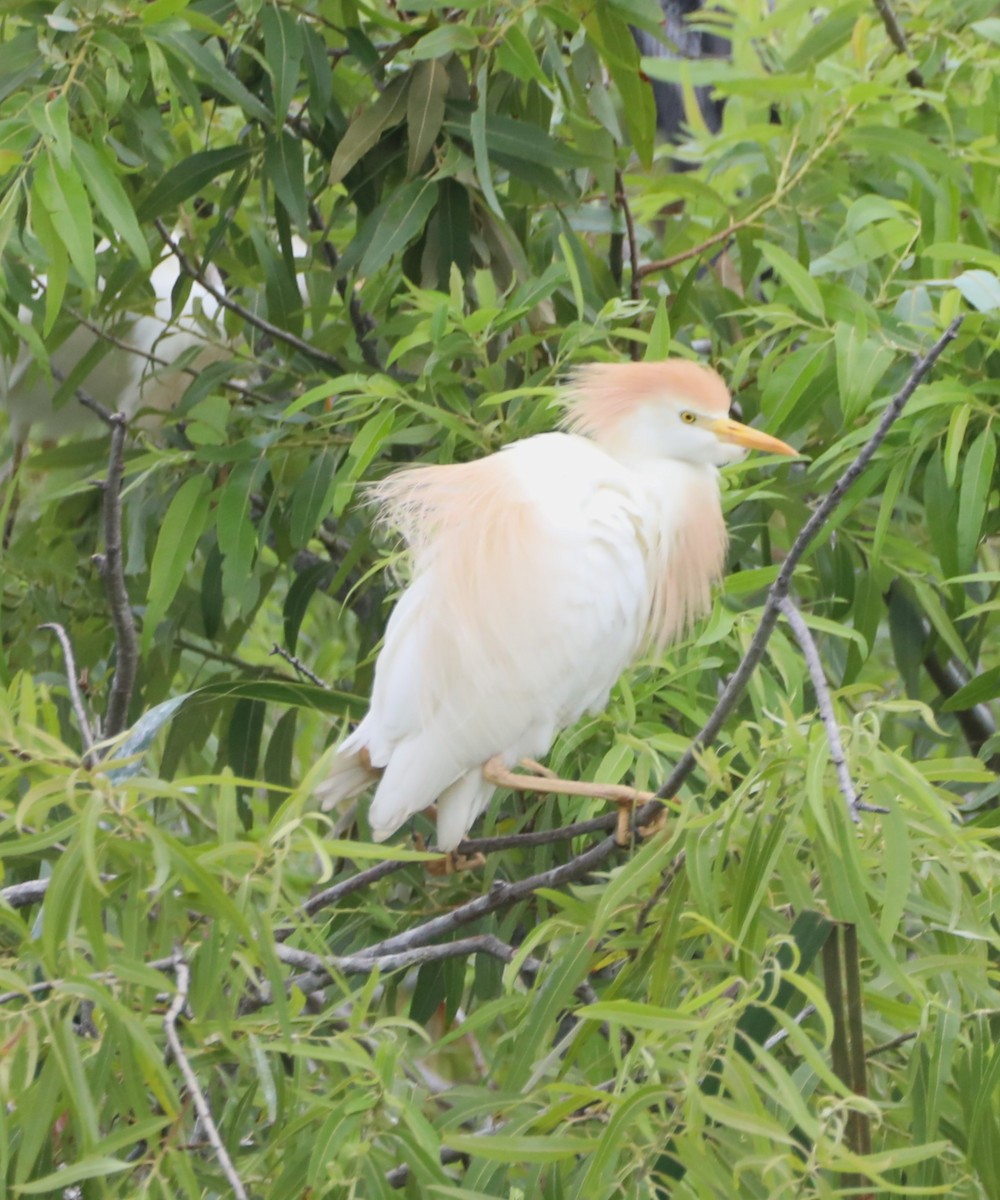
(182, 973)
(318, 972)
(787, 179)
(898, 39)
(810, 652)
(74, 689)
(154, 360)
(251, 318)
(112, 568)
(364, 962)
(621, 201)
(299, 666)
(892, 1043)
(338, 891)
(777, 1038)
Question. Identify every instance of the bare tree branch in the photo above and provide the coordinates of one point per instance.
(366, 960)
(112, 567)
(824, 701)
(299, 666)
(74, 688)
(182, 973)
(621, 202)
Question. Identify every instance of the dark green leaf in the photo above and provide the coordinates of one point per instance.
(286, 171)
(189, 177)
(402, 221)
(243, 737)
(424, 111)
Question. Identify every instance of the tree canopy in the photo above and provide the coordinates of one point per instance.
(394, 230)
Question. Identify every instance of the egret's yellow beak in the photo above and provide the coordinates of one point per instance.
(727, 430)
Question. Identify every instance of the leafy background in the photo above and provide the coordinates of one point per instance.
(424, 217)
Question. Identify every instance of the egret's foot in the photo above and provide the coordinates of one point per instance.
(657, 825)
(625, 798)
(451, 862)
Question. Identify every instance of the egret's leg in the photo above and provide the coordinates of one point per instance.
(536, 768)
(624, 798)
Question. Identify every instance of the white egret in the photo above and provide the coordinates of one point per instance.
(539, 574)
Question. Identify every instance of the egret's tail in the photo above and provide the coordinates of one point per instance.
(459, 805)
(350, 773)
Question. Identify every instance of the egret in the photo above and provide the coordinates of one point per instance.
(539, 573)
(134, 373)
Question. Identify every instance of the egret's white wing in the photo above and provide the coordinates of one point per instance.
(530, 597)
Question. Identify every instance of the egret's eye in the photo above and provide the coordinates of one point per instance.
(688, 418)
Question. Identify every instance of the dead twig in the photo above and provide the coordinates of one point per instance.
(74, 688)
(23, 895)
(299, 666)
(824, 701)
(182, 974)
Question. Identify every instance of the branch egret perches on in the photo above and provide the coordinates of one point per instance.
(539, 574)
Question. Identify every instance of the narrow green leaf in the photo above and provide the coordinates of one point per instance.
(424, 111)
(285, 168)
(311, 498)
(68, 209)
(283, 47)
(140, 737)
(826, 36)
(88, 1168)
(974, 493)
(980, 288)
(94, 165)
(795, 276)
(209, 69)
(977, 691)
(658, 345)
(454, 221)
(246, 727)
(552, 1147)
(621, 54)
(480, 152)
(183, 524)
(189, 177)
(368, 126)
(402, 221)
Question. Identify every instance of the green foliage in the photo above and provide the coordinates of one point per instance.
(420, 219)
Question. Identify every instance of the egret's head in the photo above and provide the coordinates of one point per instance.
(672, 409)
